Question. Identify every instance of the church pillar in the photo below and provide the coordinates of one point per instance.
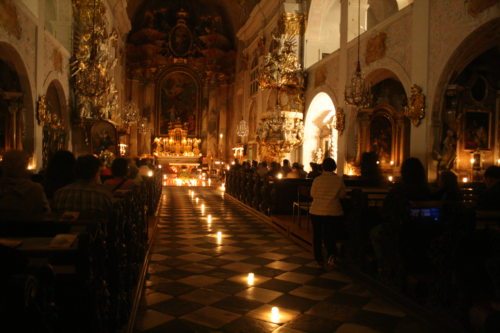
(420, 142)
(345, 151)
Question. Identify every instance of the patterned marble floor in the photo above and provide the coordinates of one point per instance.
(198, 282)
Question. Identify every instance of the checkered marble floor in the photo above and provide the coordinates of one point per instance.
(198, 282)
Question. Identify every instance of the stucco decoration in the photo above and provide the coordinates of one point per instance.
(375, 48)
(9, 19)
(475, 7)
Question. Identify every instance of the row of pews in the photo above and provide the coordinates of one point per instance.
(448, 266)
(66, 274)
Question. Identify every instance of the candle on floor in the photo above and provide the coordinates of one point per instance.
(275, 314)
(251, 279)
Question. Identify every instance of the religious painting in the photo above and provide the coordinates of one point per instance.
(179, 96)
(477, 130)
(103, 137)
(381, 137)
(180, 40)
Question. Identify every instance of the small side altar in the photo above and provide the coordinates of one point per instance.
(177, 148)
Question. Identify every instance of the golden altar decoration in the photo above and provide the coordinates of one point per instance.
(177, 148)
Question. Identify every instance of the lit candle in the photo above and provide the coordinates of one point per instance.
(219, 237)
(465, 180)
(196, 199)
(378, 162)
(164, 183)
(472, 160)
(279, 176)
(165, 176)
(390, 178)
(209, 182)
(392, 163)
(209, 218)
(150, 173)
(275, 314)
(250, 279)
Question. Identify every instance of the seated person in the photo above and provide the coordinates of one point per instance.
(490, 198)
(85, 195)
(18, 194)
(60, 172)
(119, 171)
(296, 172)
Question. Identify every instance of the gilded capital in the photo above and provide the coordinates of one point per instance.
(292, 23)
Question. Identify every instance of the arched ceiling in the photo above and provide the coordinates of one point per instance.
(233, 12)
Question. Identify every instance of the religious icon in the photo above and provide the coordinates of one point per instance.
(477, 130)
(103, 137)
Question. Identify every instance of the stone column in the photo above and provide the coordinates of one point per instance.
(420, 143)
(350, 112)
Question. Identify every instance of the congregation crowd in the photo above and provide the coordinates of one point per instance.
(68, 184)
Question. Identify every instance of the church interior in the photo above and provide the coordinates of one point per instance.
(207, 99)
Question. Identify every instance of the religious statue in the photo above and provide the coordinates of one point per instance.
(448, 152)
(415, 110)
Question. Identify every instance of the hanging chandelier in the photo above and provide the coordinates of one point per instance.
(358, 92)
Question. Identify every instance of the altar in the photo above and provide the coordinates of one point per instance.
(177, 150)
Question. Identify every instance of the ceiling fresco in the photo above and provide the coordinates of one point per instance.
(197, 33)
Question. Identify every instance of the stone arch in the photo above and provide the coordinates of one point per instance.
(320, 112)
(10, 55)
(448, 116)
(323, 31)
(388, 69)
(473, 45)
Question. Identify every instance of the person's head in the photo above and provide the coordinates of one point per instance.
(448, 180)
(61, 166)
(329, 164)
(492, 175)
(119, 167)
(87, 167)
(15, 164)
(413, 172)
(286, 162)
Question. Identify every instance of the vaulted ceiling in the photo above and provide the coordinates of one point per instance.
(233, 12)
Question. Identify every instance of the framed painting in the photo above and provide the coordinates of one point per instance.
(381, 137)
(179, 96)
(103, 136)
(477, 130)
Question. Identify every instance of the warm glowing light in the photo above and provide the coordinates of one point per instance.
(222, 187)
(164, 183)
(232, 163)
(178, 182)
(150, 173)
(472, 160)
(204, 184)
(279, 176)
(32, 164)
(221, 135)
(219, 237)
(498, 161)
(389, 178)
(228, 168)
(392, 163)
(251, 279)
(378, 162)
(465, 180)
(196, 199)
(275, 314)
(165, 176)
(210, 182)
(209, 218)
